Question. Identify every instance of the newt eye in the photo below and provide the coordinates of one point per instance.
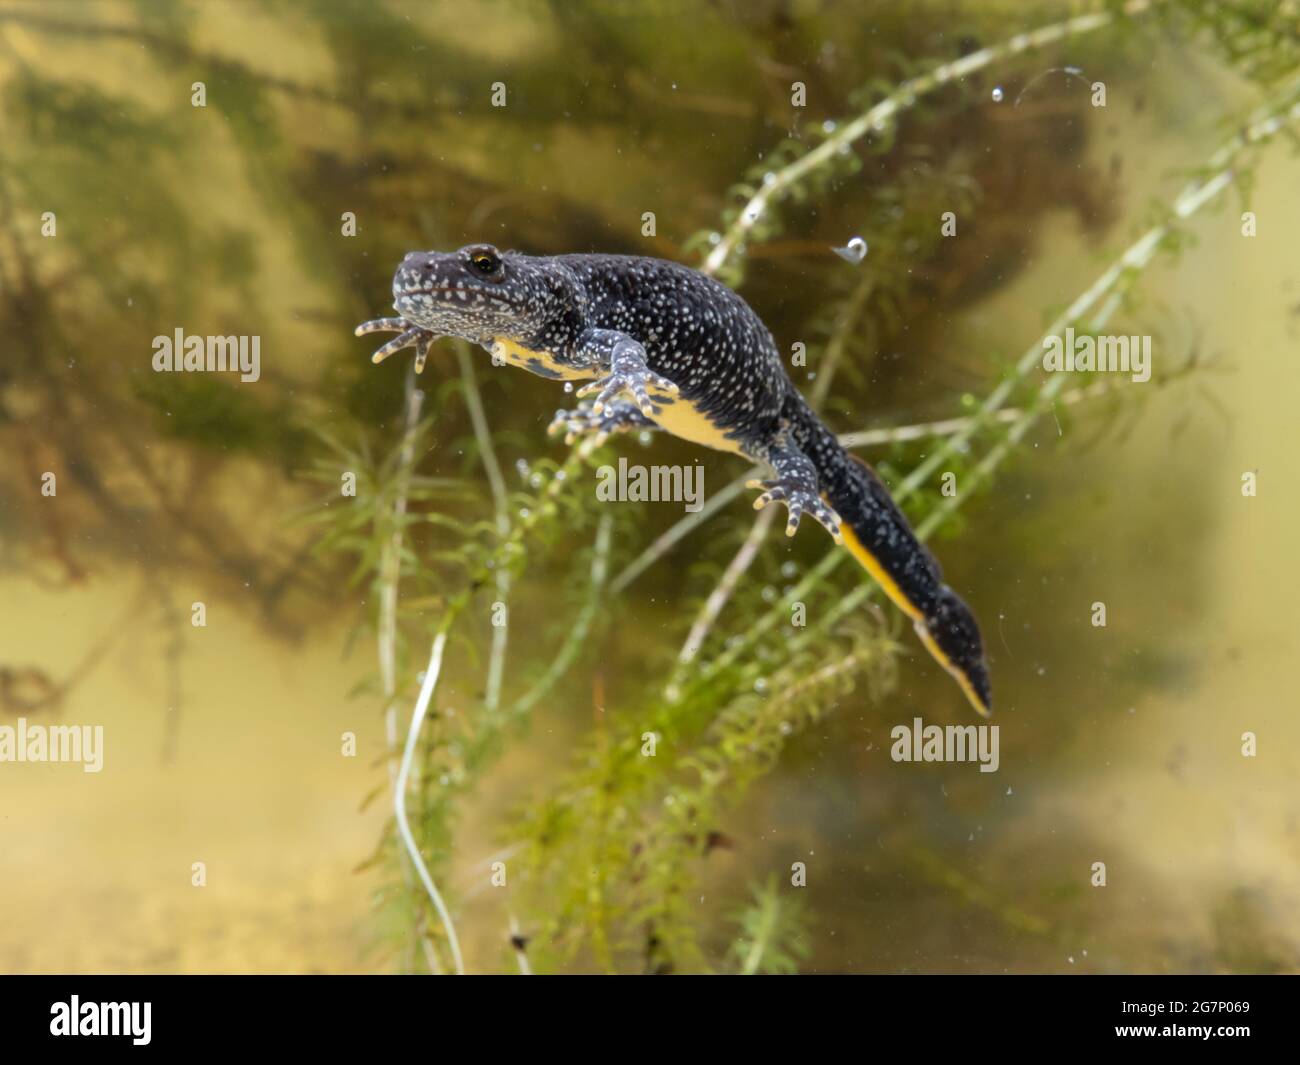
(485, 263)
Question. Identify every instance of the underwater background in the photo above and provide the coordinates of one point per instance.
(259, 169)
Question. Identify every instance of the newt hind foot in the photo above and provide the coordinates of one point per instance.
(799, 499)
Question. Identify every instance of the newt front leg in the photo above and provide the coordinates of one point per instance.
(409, 335)
(625, 360)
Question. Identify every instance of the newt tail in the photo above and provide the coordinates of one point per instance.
(877, 535)
(663, 346)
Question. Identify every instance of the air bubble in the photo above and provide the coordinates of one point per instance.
(997, 95)
(853, 252)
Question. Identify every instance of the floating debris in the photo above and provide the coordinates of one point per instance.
(1069, 72)
(853, 252)
(997, 95)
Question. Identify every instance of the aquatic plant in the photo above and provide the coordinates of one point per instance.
(445, 542)
(612, 857)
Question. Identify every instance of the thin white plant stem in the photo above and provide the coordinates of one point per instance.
(431, 957)
(390, 574)
(946, 427)
(521, 956)
(722, 591)
(390, 571)
(399, 797)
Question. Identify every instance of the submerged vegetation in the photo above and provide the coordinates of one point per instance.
(495, 591)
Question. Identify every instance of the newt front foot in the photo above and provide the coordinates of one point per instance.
(409, 335)
(628, 373)
(621, 416)
(798, 499)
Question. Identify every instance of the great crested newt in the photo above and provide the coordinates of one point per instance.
(664, 346)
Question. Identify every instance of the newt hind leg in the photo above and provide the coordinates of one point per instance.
(796, 486)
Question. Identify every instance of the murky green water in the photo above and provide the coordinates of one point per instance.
(223, 743)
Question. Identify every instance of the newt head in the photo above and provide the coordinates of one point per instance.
(479, 293)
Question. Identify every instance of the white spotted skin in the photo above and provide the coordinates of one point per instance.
(561, 317)
(702, 337)
(696, 332)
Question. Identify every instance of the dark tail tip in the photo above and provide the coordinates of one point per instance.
(954, 637)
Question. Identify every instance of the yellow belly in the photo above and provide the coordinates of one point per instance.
(679, 417)
(516, 355)
(683, 419)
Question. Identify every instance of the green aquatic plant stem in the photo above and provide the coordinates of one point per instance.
(846, 322)
(1094, 308)
(901, 434)
(680, 530)
(881, 114)
(497, 559)
(1268, 121)
(898, 434)
(763, 934)
(501, 511)
(578, 632)
(793, 705)
(390, 571)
